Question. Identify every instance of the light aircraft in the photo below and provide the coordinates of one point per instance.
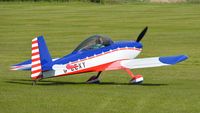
(97, 53)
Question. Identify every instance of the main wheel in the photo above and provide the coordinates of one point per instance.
(138, 79)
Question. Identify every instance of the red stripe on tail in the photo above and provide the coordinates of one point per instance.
(37, 53)
(36, 74)
(34, 42)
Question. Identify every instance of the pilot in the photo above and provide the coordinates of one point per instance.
(99, 43)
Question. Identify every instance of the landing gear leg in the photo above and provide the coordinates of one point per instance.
(94, 79)
(136, 79)
(34, 82)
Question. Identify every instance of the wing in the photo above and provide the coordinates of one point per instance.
(147, 62)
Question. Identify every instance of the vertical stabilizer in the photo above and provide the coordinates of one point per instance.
(40, 57)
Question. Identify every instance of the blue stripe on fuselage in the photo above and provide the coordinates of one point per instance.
(78, 55)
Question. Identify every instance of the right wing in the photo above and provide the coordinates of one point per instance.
(146, 62)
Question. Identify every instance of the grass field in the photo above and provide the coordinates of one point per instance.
(173, 29)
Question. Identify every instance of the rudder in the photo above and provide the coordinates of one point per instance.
(40, 57)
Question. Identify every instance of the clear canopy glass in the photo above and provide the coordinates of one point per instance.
(94, 42)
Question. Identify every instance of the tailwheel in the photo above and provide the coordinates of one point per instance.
(34, 82)
(137, 79)
(94, 79)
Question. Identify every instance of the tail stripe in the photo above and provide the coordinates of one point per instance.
(35, 56)
(36, 68)
(35, 75)
(35, 45)
(36, 59)
(36, 62)
(36, 71)
(36, 65)
(34, 41)
(36, 53)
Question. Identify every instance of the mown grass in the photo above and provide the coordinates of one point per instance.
(173, 29)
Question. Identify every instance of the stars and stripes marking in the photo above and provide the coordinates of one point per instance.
(36, 68)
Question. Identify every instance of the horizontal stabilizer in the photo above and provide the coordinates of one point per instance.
(25, 65)
(152, 62)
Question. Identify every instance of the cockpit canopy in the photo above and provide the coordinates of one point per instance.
(94, 42)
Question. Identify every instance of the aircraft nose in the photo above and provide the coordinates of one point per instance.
(138, 45)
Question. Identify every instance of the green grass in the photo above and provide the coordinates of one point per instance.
(173, 29)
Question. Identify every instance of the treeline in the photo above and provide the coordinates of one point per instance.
(94, 1)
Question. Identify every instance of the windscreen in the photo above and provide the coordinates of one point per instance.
(94, 42)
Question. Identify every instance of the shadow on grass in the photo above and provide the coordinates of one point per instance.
(49, 82)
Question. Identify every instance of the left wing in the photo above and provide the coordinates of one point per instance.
(147, 62)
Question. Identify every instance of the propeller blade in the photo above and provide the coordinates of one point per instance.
(142, 34)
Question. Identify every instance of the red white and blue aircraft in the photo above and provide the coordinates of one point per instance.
(97, 53)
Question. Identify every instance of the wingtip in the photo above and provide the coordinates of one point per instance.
(173, 59)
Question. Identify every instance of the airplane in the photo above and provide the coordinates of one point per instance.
(97, 53)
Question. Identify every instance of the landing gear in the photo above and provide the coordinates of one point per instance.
(94, 79)
(136, 79)
(34, 82)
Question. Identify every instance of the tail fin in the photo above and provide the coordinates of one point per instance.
(40, 56)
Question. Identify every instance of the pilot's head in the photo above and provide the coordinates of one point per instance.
(99, 40)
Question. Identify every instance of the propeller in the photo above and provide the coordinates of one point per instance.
(141, 35)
